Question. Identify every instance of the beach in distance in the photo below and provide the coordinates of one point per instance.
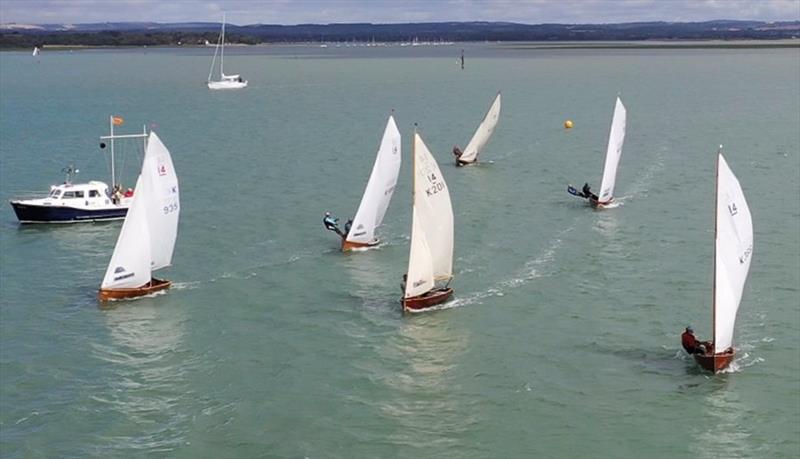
(562, 337)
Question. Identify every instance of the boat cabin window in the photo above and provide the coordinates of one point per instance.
(73, 194)
(94, 194)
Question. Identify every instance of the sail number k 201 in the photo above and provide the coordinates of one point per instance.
(435, 185)
(170, 208)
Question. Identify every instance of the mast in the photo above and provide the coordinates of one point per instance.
(222, 50)
(714, 274)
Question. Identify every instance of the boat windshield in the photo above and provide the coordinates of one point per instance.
(55, 193)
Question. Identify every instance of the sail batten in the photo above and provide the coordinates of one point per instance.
(616, 138)
(483, 133)
(380, 187)
(733, 246)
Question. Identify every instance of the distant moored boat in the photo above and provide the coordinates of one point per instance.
(225, 81)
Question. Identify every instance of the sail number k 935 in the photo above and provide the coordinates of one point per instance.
(170, 208)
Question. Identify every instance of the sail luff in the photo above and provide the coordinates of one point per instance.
(716, 227)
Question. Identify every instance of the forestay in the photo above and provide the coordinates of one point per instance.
(614, 152)
(734, 250)
(130, 264)
(380, 187)
(431, 256)
(483, 133)
(162, 201)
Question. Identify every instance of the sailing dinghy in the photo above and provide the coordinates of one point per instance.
(225, 81)
(147, 238)
(481, 136)
(378, 193)
(733, 250)
(431, 252)
(613, 154)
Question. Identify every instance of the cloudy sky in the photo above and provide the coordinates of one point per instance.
(388, 11)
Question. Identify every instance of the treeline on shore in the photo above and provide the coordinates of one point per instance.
(152, 34)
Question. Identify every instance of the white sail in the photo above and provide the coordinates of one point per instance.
(162, 201)
(420, 261)
(433, 220)
(35, 51)
(130, 264)
(483, 133)
(733, 253)
(380, 187)
(614, 152)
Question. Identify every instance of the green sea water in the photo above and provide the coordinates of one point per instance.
(562, 338)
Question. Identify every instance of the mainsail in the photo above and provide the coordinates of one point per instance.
(431, 254)
(733, 253)
(147, 238)
(613, 154)
(161, 200)
(380, 187)
(483, 133)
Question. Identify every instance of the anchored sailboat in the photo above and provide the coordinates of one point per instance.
(431, 252)
(733, 250)
(378, 193)
(225, 81)
(613, 154)
(481, 136)
(147, 238)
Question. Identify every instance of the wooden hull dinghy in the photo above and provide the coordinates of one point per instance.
(147, 238)
(155, 285)
(427, 300)
(347, 246)
(430, 258)
(715, 362)
(616, 138)
(360, 234)
(733, 250)
(481, 136)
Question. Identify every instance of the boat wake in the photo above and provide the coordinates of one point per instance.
(641, 186)
(533, 269)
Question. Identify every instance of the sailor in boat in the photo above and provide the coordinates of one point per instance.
(347, 226)
(457, 153)
(403, 284)
(116, 195)
(692, 345)
(332, 224)
(587, 192)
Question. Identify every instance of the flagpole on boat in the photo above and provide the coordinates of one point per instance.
(113, 175)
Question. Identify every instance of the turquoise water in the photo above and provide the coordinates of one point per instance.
(562, 339)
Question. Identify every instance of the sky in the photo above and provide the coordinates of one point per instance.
(242, 12)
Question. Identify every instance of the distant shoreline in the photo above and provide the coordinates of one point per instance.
(501, 45)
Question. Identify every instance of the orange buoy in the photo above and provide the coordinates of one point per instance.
(568, 124)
